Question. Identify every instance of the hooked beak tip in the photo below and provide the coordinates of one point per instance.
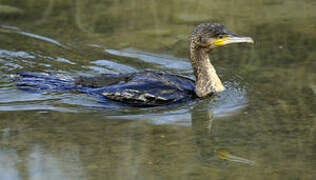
(251, 41)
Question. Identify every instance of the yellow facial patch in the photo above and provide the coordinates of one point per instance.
(220, 40)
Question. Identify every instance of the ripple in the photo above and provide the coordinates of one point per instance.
(164, 61)
(13, 29)
(234, 98)
(114, 66)
(14, 54)
(100, 70)
(60, 59)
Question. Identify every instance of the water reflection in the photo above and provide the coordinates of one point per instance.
(8, 170)
(39, 164)
(107, 148)
(204, 138)
(266, 116)
(202, 122)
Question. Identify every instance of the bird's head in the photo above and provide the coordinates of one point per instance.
(211, 35)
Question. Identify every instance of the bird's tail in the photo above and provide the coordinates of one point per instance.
(43, 82)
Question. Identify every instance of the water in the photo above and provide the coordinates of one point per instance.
(261, 127)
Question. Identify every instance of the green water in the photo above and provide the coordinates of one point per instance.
(262, 127)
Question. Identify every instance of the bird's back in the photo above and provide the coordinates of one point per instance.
(141, 89)
(135, 89)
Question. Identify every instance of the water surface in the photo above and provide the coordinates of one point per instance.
(261, 127)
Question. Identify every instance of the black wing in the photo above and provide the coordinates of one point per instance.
(142, 89)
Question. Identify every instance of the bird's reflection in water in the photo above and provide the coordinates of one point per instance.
(203, 121)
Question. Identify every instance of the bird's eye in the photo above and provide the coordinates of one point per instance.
(220, 37)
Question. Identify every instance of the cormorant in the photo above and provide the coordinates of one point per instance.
(160, 88)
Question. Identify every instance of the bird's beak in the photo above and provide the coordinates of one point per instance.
(231, 39)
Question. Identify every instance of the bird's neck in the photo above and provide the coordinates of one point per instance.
(207, 81)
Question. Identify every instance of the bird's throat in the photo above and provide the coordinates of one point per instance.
(207, 80)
